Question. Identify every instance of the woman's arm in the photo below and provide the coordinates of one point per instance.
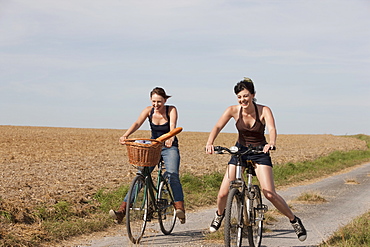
(136, 125)
(173, 122)
(224, 119)
(270, 124)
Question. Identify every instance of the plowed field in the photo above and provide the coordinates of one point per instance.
(41, 165)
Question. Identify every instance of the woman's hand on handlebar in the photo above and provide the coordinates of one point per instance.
(209, 149)
(268, 147)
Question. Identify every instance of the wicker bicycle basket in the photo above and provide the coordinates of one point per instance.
(142, 153)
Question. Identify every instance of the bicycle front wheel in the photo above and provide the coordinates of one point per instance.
(137, 209)
(256, 217)
(166, 208)
(233, 219)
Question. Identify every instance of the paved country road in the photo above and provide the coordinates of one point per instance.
(345, 201)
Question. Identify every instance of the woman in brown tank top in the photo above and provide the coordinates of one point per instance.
(251, 120)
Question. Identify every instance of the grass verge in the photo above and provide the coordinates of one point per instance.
(291, 173)
(356, 233)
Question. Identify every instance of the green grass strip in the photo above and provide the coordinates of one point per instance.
(291, 173)
(356, 233)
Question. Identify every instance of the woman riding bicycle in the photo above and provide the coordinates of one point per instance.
(251, 120)
(162, 119)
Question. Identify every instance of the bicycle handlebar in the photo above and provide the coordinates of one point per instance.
(160, 139)
(237, 151)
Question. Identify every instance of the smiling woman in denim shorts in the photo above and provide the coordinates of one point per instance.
(251, 120)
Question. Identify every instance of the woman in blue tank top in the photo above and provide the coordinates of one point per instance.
(251, 120)
(162, 119)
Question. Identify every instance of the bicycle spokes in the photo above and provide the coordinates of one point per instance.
(234, 219)
(166, 208)
(137, 213)
(256, 217)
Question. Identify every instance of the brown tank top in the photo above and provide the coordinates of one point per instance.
(254, 135)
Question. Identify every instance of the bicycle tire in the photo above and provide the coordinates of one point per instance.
(233, 219)
(255, 227)
(137, 209)
(166, 208)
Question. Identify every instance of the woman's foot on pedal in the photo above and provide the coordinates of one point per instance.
(180, 211)
(216, 222)
(299, 228)
(117, 216)
(181, 215)
(120, 214)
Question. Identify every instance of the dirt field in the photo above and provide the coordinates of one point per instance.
(41, 166)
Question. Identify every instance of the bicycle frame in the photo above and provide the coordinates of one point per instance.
(245, 188)
(151, 189)
(251, 193)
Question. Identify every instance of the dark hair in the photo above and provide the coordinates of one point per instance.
(246, 83)
(160, 91)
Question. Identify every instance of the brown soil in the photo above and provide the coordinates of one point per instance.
(41, 165)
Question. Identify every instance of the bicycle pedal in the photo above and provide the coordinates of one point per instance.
(162, 202)
(262, 208)
(149, 216)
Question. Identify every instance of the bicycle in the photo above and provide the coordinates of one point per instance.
(146, 201)
(244, 208)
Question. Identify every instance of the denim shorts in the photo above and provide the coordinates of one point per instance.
(260, 159)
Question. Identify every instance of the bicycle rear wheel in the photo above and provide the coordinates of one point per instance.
(166, 208)
(256, 217)
(137, 209)
(233, 219)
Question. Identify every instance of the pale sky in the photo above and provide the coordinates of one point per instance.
(92, 64)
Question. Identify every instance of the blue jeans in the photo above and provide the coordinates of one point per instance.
(171, 158)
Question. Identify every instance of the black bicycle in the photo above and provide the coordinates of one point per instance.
(244, 213)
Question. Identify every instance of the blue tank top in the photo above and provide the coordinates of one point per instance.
(158, 130)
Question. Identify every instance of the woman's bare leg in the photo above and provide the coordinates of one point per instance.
(266, 178)
(224, 189)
